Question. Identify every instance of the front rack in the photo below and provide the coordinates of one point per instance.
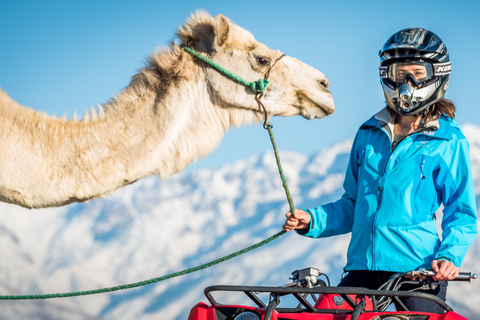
(301, 293)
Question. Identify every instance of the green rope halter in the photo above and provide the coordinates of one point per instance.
(258, 86)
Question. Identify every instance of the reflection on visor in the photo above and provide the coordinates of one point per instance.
(417, 71)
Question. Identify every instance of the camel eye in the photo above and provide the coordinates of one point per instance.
(263, 61)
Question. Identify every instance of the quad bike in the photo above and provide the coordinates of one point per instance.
(315, 300)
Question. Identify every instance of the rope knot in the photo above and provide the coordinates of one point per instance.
(259, 86)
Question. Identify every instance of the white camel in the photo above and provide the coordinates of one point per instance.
(174, 111)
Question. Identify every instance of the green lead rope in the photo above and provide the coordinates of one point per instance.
(143, 283)
(280, 170)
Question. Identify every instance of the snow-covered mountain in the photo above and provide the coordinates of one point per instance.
(153, 228)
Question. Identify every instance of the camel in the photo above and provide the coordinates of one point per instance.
(175, 110)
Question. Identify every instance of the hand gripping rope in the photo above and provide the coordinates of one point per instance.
(258, 87)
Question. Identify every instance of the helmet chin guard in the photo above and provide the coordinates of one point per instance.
(405, 100)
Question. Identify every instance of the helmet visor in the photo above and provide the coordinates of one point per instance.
(417, 71)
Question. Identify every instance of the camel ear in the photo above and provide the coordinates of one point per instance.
(222, 29)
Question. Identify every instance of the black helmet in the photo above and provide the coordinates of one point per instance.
(414, 56)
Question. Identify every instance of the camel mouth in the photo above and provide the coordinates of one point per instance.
(315, 106)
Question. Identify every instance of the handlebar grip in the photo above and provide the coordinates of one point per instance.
(462, 276)
(465, 276)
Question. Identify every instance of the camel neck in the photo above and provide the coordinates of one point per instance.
(83, 160)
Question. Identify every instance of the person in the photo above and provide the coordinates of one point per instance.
(406, 161)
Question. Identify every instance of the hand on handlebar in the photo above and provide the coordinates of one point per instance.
(300, 220)
(444, 270)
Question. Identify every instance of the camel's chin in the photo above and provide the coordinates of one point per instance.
(315, 106)
(317, 109)
(311, 113)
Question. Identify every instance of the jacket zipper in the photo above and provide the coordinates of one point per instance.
(380, 195)
(422, 176)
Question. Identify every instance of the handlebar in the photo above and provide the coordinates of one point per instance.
(462, 276)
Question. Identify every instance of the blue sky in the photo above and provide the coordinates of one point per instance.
(61, 56)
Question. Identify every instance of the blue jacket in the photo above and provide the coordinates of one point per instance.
(391, 198)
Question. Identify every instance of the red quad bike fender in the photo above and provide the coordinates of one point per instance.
(202, 311)
(205, 312)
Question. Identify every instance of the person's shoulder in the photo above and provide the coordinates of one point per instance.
(450, 127)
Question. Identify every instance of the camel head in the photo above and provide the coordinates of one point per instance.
(295, 88)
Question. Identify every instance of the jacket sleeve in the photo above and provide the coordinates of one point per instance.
(337, 217)
(459, 224)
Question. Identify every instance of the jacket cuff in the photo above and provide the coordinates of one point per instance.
(303, 231)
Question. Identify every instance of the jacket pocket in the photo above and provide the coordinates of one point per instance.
(413, 246)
